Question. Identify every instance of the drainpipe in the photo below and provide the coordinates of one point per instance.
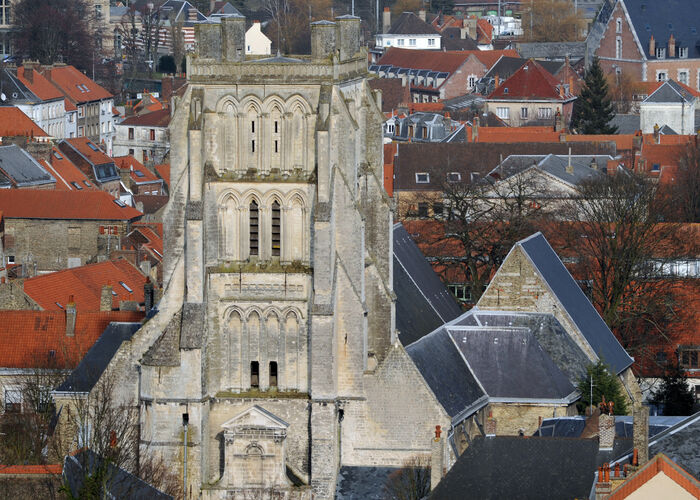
(185, 422)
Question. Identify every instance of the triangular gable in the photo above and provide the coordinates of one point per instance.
(671, 473)
(255, 417)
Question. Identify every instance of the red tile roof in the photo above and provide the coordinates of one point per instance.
(81, 144)
(531, 81)
(31, 469)
(155, 241)
(66, 172)
(130, 163)
(164, 171)
(389, 156)
(85, 284)
(648, 88)
(622, 142)
(75, 85)
(39, 85)
(28, 337)
(13, 123)
(663, 155)
(445, 61)
(70, 106)
(160, 118)
(660, 464)
(484, 34)
(57, 204)
(517, 134)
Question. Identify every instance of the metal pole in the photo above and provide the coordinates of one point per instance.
(184, 475)
(591, 400)
(353, 7)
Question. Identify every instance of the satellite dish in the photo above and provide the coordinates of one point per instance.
(3, 97)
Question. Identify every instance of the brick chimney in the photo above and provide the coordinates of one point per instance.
(671, 46)
(490, 426)
(640, 432)
(475, 128)
(71, 313)
(496, 82)
(106, 298)
(386, 20)
(28, 73)
(652, 46)
(437, 455)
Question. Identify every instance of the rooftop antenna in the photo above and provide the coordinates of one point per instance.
(353, 7)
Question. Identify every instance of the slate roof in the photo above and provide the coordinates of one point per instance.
(181, 10)
(575, 303)
(556, 166)
(515, 467)
(572, 427)
(119, 483)
(362, 483)
(680, 443)
(497, 356)
(626, 124)
(58, 204)
(507, 66)
(85, 284)
(21, 169)
(423, 303)
(91, 367)
(37, 339)
(410, 24)
(552, 50)
(680, 18)
(670, 92)
(452, 40)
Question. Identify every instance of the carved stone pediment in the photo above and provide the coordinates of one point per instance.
(255, 417)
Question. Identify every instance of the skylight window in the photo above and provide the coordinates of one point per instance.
(77, 186)
(92, 146)
(119, 203)
(138, 173)
(57, 156)
(59, 305)
(126, 287)
(87, 183)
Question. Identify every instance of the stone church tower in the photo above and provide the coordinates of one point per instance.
(275, 336)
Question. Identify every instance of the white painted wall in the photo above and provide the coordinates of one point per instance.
(256, 42)
(386, 41)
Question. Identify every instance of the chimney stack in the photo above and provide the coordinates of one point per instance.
(652, 46)
(671, 46)
(594, 164)
(606, 427)
(475, 129)
(490, 426)
(437, 454)
(106, 298)
(496, 82)
(603, 487)
(640, 432)
(70, 317)
(569, 166)
(386, 20)
(657, 137)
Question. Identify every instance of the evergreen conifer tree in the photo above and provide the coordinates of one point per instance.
(674, 394)
(605, 385)
(593, 110)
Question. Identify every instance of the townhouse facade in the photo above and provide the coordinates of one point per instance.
(144, 137)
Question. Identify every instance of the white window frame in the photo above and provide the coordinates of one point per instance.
(400, 42)
(454, 177)
(523, 113)
(683, 52)
(687, 76)
(503, 113)
(422, 178)
(660, 72)
(471, 82)
(660, 52)
(618, 25)
(618, 47)
(544, 113)
(17, 391)
(431, 42)
(412, 42)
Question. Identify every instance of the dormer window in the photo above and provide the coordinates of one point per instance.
(683, 52)
(660, 53)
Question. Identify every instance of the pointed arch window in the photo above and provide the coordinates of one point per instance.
(254, 228)
(276, 228)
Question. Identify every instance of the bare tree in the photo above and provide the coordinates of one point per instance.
(410, 482)
(551, 21)
(622, 244)
(289, 22)
(178, 41)
(685, 190)
(484, 220)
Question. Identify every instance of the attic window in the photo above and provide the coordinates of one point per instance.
(59, 305)
(138, 173)
(422, 178)
(505, 90)
(92, 146)
(119, 203)
(655, 167)
(126, 287)
(77, 186)
(454, 177)
(87, 183)
(683, 52)
(57, 156)
(114, 293)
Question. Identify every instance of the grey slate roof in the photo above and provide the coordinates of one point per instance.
(626, 124)
(680, 443)
(525, 468)
(21, 169)
(573, 426)
(575, 302)
(485, 356)
(552, 50)
(362, 483)
(14, 90)
(423, 303)
(410, 24)
(118, 483)
(88, 372)
(670, 92)
(661, 19)
(556, 166)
